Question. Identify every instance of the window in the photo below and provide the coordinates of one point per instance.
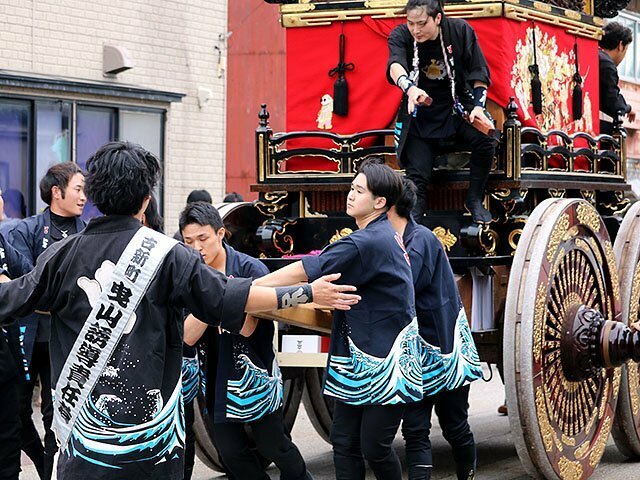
(629, 69)
(15, 142)
(53, 141)
(36, 134)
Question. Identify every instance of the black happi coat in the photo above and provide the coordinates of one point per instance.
(11, 354)
(31, 237)
(611, 100)
(374, 356)
(243, 380)
(132, 426)
(465, 58)
(450, 358)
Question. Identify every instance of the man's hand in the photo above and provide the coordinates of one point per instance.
(631, 116)
(249, 326)
(4, 278)
(332, 295)
(478, 112)
(416, 97)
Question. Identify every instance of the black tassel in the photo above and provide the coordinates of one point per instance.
(341, 96)
(576, 98)
(536, 85)
(536, 90)
(340, 87)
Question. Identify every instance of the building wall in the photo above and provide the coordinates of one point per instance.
(172, 44)
(631, 92)
(257, 74)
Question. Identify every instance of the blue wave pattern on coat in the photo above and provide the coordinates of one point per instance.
(453, 370)
(190, 379)
(362, 379)
(256, 394)
(97, 439)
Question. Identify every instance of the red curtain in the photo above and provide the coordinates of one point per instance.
(373, 103)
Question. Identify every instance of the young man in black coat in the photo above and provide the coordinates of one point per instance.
(12, 371)
(438, 64)
(62, 189)
(613, 48)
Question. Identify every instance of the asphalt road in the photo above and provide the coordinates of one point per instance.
(497, 458)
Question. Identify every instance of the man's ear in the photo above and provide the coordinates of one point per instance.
(380, 203)
(56, 192)
(438, 18)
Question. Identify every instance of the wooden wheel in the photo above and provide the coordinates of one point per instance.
(318, 407)
(205, 441)
(626, 427)
(241, 220)
(564, 260)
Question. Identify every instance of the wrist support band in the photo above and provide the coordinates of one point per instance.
(292, 296)
(405, 84)
(480, 96)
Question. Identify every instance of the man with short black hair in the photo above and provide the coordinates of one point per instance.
(199, 196)
(116, 293)
(450, 359)
(437, 63)
(613, 48)
(243, 379)
(373, 369)
(62, 189)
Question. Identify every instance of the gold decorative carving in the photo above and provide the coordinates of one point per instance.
(447, 239)
(592, 420)
(613, 270)
(488, 239)
(538, 321)
(617, 375)
(384, 3)
(345, 232)
(632, 375)
(557, 192)
(296, 15)
(569, 441)
(517, 12)
(542, 7)
(514, 237)
(297, 8)
(274, 202)
(572, 232)
(543, 421)
(601, 443)
(582, 450)
(604, 398)
(569, 470)
(501, 194)
(587, 215)
(556, 236)
(595, 249)
(283, 241)
(588, 195)
(634, 300)
(632, 368)
(619, 204)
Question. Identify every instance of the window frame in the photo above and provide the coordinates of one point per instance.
(30, 170)
(624, 17)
